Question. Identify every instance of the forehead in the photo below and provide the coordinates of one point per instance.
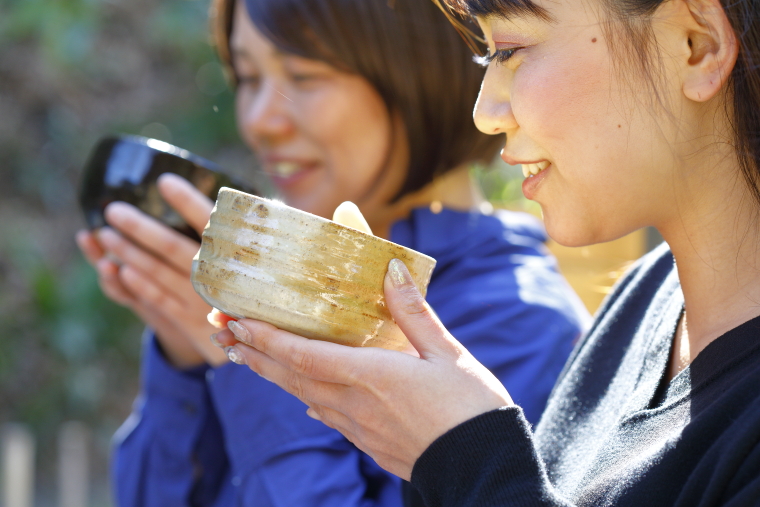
(246, 41)
(554, 15)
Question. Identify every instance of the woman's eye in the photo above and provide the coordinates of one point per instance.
(303, 78)
(248, 81)
(499, 56)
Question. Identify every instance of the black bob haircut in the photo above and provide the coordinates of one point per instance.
(406, 49)
(640, 52)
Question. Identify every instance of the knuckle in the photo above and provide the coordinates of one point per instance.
(260, 336)
(413, 303)
(294, 385)
(151, 268)
(303, 362)
(157, 298)
(172, 248)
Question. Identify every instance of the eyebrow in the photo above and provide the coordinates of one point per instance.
(505, 9)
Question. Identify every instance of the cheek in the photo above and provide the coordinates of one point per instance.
(561, 99)
(241, 107)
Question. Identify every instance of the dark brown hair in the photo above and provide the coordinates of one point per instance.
(743, 108)
(406, 49)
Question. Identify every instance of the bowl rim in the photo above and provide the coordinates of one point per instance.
(324, 220)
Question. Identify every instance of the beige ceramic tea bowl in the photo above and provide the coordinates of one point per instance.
(264, 260)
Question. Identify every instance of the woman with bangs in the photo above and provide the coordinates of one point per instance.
(627, 114)
(340, 100)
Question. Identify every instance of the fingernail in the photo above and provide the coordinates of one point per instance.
(313, 414)
(399, 274)
(239, 331)
(215, 341)
(234, 355)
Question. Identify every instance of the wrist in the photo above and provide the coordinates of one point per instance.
(181, 357)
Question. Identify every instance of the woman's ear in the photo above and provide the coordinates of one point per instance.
(713, 49)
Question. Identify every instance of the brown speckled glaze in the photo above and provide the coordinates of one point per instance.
(264, 260)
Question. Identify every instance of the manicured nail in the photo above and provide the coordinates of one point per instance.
(215, 341)
(313, 414)
(239, 331)
(399, 274)
(234, 355)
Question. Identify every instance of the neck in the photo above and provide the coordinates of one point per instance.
(455, 189)
(713, 236)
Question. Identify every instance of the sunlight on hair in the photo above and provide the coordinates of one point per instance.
(470, 38)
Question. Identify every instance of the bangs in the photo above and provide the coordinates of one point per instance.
(500, 8)
(407, 50)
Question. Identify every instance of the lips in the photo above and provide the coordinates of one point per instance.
(530, 170)
(287, 171)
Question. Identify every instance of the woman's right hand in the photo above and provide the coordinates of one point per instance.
(391, 405)
(145, 266)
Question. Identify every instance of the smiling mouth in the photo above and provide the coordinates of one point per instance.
(530, 170)
(285, 169)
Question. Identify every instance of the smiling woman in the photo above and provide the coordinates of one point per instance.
(624, 115)
(340, 100)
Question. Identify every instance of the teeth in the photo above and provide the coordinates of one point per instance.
(286, 168)
(533, 169)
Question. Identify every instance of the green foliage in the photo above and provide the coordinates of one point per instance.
(72, 71)
(502, 186)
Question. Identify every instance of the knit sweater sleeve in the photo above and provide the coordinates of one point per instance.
(489, 460)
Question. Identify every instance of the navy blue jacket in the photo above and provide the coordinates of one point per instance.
(225, 436)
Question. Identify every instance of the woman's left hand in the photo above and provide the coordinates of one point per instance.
(391, 405)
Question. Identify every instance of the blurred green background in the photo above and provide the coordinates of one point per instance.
(72, 71)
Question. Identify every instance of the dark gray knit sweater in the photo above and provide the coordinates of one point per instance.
(614, 431)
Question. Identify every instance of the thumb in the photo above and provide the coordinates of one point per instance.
(413, 315)
(192, 204)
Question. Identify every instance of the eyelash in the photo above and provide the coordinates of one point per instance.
(499, 56)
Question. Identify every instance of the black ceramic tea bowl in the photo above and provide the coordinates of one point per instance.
(126, 168)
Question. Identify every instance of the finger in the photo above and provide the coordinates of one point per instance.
(89, 246)
(149, 266)
(318, 360)
(414, 316)
(179, 350)
(108, 279)
(308, 390)
(152, 235)
(152, 294)
(334, 419)
(225, 338)
(188, 201)
(218, 319)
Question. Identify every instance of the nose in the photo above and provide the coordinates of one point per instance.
(493, 109)
(264, 114)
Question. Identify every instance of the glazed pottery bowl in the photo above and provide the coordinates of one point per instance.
(126, 168)
(264, 260)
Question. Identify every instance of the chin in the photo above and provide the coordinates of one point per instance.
(576, 232)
